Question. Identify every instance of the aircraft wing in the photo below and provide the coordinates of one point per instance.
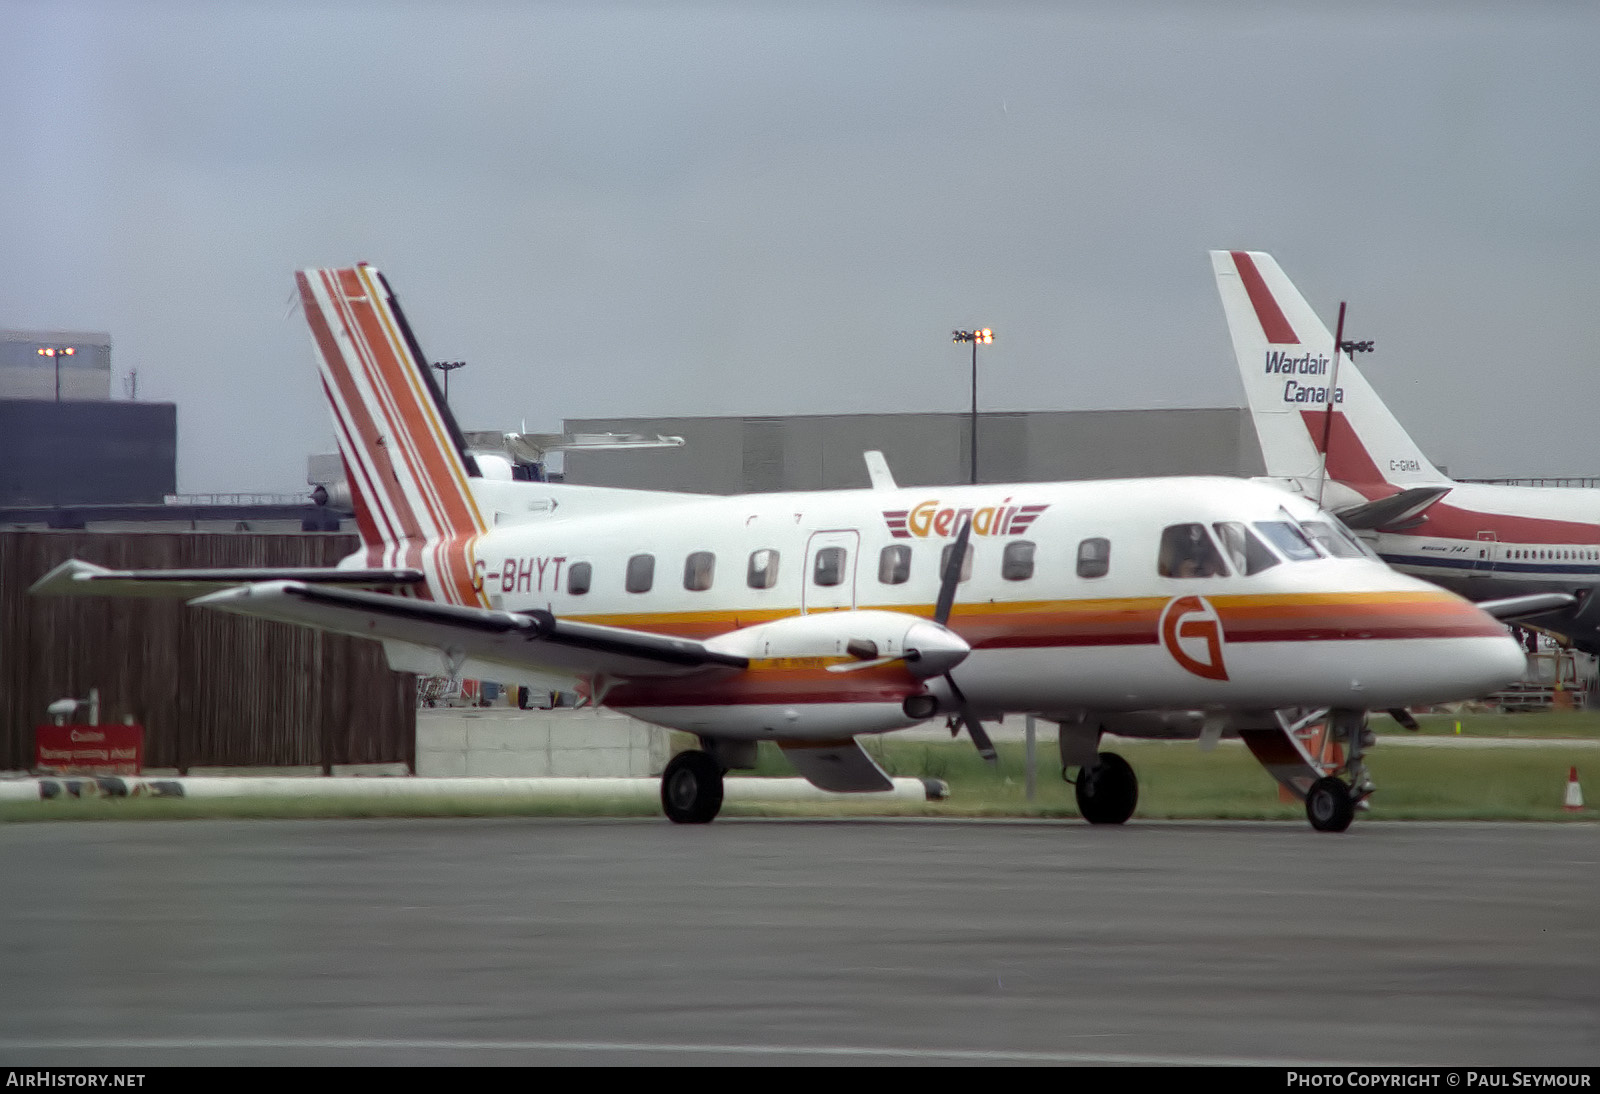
(1524, 607)
(525, 642)
(1397, 509)
(75, 577)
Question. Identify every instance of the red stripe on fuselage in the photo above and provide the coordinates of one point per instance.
(1352, 465)
(1449, 522)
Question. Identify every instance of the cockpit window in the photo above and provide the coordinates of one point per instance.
(1247, 553)
(1288, 539)
(1187, 551)
(1332, 540)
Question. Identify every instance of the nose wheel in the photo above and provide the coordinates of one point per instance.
(1329, 806)
(691, 788)
(1107, 792)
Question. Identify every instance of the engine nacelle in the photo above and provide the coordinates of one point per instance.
(811, 677)
(927, 648)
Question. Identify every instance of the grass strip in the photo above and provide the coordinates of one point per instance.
(1177, 781)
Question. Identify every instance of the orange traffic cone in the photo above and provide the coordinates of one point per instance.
(1574, 793)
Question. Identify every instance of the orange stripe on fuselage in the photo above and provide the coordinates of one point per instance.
(1273, 617)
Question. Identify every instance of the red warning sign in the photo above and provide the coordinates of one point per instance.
(89, 750)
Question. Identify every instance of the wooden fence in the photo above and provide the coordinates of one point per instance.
(210, 689)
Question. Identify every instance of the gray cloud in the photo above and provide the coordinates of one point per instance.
(642, 210)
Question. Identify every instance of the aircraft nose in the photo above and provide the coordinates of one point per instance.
(1503, 660)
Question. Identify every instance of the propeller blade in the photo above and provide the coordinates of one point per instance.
(952, 575)
(965, 717)
(980, 737)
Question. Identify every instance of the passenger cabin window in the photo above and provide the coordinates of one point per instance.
(1247, 553)
(763, 571)
(697, 571)
(1288, 539)
(1094, 557)
(1333, 541)
(829, 567)
(579, 576)
(966, 562)
(641, 573)
(1187, 551)
(894, 565)
(1017, 562)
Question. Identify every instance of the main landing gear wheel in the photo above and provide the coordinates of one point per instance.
(1108, 791)
(1328, 805)
(691, 788)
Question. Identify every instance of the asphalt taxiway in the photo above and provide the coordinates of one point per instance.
(545, 941)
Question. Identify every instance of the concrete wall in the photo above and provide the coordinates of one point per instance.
(500, 742)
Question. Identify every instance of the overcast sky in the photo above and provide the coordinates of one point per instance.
(660, 209)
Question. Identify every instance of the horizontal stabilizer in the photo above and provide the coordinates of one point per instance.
(1402, 508)
(535, 640)
(1520, 607)
(75, 577)
(841, 766)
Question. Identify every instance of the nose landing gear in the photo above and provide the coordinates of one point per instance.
(1329, 806)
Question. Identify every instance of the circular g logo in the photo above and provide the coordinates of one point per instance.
(1192, 632)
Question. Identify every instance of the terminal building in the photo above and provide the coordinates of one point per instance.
(64, 442)
(823, 452)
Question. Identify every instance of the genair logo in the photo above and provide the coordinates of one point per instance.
(1280, 363)
(930, 519)
(1192, 632)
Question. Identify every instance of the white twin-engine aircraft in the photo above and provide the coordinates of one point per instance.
(1482, 540)
(1153, 607)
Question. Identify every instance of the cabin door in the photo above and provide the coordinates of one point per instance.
(830, 574)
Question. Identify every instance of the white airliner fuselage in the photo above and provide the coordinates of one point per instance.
(1318, 631)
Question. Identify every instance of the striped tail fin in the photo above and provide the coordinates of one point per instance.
(406, 459)
(1285, 358)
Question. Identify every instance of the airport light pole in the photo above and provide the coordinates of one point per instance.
(57, 353)
(447, 367)
(984, 337)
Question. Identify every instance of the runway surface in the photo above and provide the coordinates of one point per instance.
(594, 941)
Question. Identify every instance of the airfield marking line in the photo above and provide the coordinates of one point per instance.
(864, 1051)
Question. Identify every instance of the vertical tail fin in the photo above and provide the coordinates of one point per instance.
(1285, 357)
(407, 462)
